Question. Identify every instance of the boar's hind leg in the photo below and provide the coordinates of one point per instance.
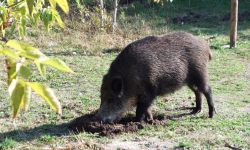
(203, 86)
(198, 96)
(199, 84)
(207, 91)
(142, 108)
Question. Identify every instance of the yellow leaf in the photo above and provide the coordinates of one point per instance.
(57, 16)
(12, 74)
(57, 63)
(27, 47)
(14, 44)
(26, 97)
(41, 68)
(10, 2)
(10, 53)
(23, 71)
(33, 54)
(64, 5)
(16, 91)
(52, 3)
(47, 94)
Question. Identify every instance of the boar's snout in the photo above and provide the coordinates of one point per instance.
(105, 119)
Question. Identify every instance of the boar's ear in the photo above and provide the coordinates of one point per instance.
(117, 86)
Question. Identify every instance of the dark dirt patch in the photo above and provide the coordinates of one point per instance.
(191, 17)
(90, 123)
(243, 16)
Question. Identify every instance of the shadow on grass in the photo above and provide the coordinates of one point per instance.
(83, 53)
(112, 50)
(175, 117)
(36, 133)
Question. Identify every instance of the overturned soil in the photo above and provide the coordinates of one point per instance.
(242, 16)
(192, 17)
(89, 123)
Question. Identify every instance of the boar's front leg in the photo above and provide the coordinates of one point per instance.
(143, 104)
(149, 115)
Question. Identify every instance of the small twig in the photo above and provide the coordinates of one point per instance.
(4, 39)
(14, 4)
(8, 68)
(234, 148)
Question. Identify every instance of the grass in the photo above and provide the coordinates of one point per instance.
(89, 53)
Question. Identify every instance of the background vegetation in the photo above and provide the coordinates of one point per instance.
(89, 50)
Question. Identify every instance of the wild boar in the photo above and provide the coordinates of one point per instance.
(153, 66)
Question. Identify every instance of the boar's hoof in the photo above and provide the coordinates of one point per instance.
(150, 121)
(196, 110)
(211, 113)
(149, 116)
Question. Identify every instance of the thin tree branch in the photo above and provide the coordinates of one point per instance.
(15, 4)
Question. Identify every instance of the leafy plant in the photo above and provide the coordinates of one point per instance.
(19, 56)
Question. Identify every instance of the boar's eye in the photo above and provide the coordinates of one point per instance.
(116, 86)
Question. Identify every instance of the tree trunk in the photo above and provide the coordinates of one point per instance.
(101, 21)
(234, 21)
(115, 13)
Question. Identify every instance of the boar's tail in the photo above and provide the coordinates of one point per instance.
(210, 55)
(209, 50)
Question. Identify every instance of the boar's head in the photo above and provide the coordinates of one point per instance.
(114, 103)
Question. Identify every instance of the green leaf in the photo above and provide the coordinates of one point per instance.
(27, 47)
(46, 22)
(10, 53)
(33, 54)
(50, 17)
(3, 13)
(21, 31)
(16, 91)
(52, 3)
(13, 26)
(47, 94)
(32, 21)
(57, 16)
(64, 5)
(37, 17)
(30, 4)
(11, 70)
(26, 97)
(10, 2)
(23, 70)
(57, 63)
(23, 10)
(41, 68)
(23, 23)
(14, 44)
(26, 62)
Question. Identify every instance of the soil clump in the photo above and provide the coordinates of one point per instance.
(90, 123)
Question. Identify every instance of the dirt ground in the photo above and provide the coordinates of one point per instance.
(243, 16)
(90, 123)
(193, 17)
